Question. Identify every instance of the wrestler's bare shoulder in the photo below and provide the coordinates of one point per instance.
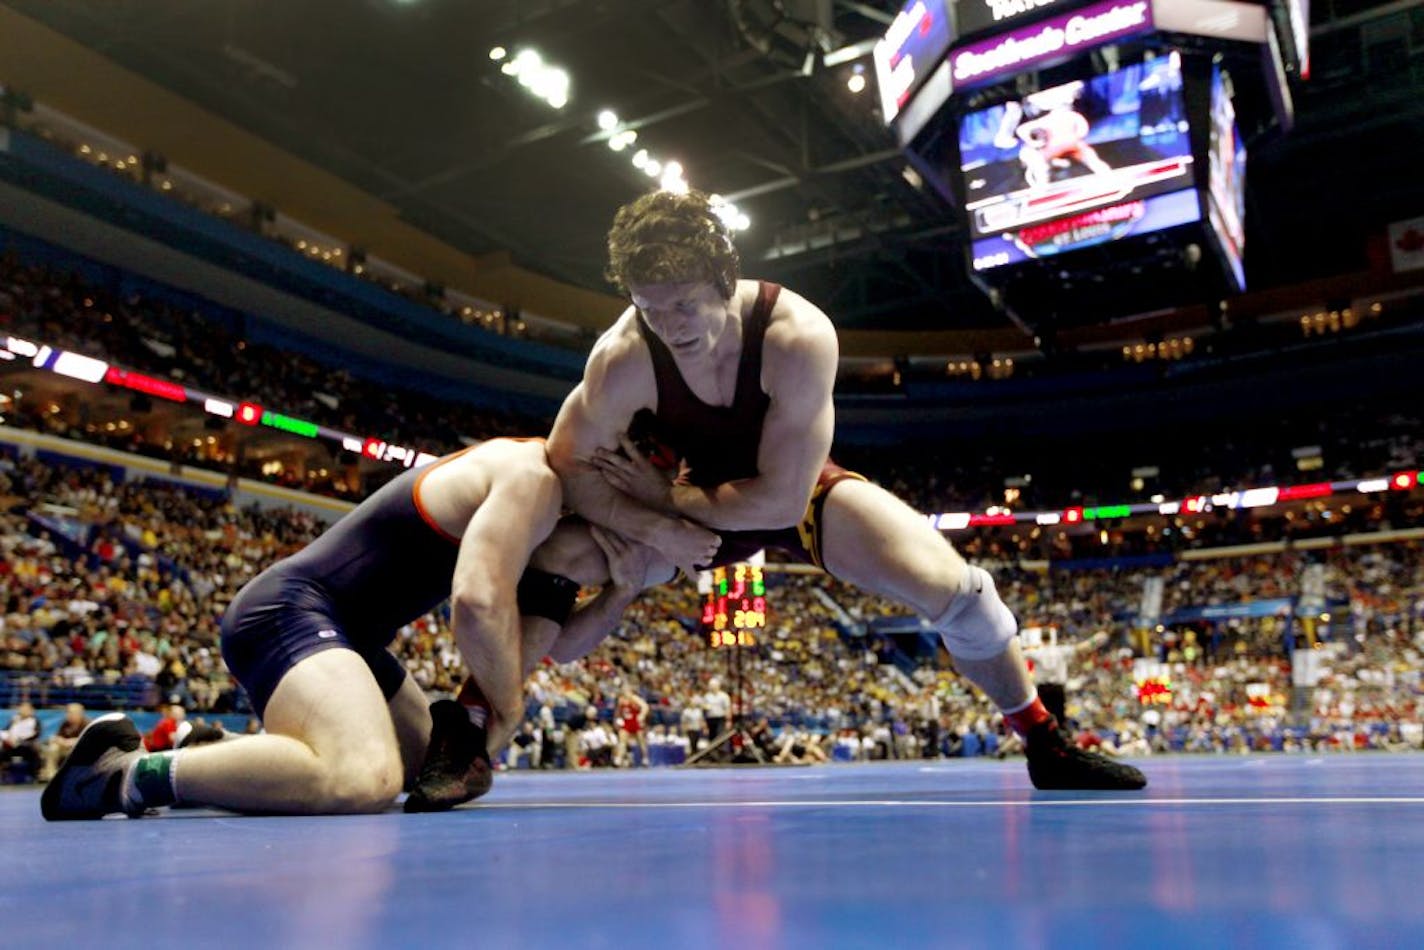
(797, 323)
(619, 364)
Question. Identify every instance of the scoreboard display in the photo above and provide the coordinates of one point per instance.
(735, 606)
(973, 17)
(913, 46)
(1079, 164)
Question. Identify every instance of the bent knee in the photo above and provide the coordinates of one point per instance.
(352, 789)
(977, 624)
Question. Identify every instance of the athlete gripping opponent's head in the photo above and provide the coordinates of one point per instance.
(346, 726)
(739, 375)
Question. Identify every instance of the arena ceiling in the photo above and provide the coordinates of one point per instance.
(400, 98)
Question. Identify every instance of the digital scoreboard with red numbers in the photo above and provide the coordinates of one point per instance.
(735, 607)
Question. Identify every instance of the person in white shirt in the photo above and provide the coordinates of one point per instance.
(596, 742)
(718, 706)
(1048, 662)
(22, 737)
(692, 724)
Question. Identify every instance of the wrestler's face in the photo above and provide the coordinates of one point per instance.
(687, 316)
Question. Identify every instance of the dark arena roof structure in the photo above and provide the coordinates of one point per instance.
(402, 99)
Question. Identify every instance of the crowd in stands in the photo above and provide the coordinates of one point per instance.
(126, 611)
(209, 351)
(124, 607)
(207, 347)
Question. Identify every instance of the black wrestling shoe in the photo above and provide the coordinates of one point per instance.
(457, 765)
(90, 783)
(199, 733)
(1055, 763)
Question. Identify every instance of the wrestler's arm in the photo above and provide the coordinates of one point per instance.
(593, 416)
(799, 373)
(590, 557)
(632, 568)
(590, 624)
(519, 511)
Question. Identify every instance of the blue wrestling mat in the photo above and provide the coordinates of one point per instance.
(1272, 851)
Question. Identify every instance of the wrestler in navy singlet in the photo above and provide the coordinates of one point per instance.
(720, 443)
(380, 567)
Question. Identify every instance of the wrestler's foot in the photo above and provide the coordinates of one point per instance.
(196, 733)
(90, 783)
(457, 764)
(1054, 762)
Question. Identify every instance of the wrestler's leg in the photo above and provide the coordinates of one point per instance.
(875, 541)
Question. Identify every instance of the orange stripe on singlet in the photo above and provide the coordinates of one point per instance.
(415, 489)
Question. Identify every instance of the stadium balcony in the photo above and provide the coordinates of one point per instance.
(303, 304)
(293, 299)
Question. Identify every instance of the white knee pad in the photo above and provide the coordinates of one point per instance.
(976, 625)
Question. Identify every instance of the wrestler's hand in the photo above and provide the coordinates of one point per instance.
(631, 473)
(629, 562)
(688, 545)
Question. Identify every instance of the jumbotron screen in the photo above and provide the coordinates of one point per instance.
(1079, 164)
(1226, 178)
(913, 46)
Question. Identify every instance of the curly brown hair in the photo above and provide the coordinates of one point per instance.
(663, 237)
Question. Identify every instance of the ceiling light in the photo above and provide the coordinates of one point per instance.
(731, 215)
(498, 53)
(672, 179)
(607, 120)
(640, 158)
(653, 168)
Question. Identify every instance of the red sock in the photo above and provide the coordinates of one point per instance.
(476, 706)
(1025, 718)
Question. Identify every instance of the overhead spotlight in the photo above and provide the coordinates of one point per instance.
(498, 53)
(509, 68)
(653, 168)
(732, 216)
(554, 85)
(672, 179)
(607, 120)
(640, 158)
(621, 140)
(856, 82)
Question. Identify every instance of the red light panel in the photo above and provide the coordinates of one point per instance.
(249, 413)
(146, 384)
(1297, 492)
